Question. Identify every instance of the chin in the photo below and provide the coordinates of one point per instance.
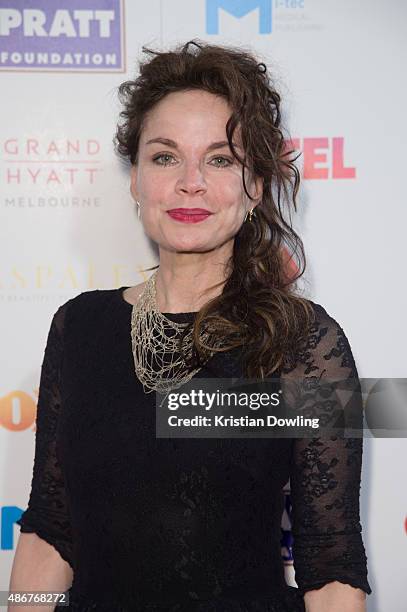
(189, 241)
(190, 246)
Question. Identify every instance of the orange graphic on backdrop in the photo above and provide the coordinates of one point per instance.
(22, 403)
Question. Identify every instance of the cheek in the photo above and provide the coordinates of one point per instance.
(230, 196)
(229, 184)
(152, 190)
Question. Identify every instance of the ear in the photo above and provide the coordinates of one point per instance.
(257, 187)
(133, 182)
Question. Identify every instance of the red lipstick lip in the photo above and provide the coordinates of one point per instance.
(190, 211)
(189, 215)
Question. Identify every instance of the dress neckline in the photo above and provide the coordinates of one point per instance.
(176, 317)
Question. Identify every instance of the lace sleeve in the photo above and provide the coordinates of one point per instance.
(47, 512)
(325, 472)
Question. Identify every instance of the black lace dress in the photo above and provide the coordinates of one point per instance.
(182, 525)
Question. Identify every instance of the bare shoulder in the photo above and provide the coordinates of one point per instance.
(132, 294)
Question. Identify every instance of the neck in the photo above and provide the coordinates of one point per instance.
(186, 281)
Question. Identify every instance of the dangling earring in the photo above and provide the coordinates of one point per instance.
(250, 214)
(138, 210)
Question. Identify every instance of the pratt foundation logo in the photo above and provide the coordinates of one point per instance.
(64, 35)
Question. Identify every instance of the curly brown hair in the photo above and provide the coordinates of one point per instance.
(257, 309)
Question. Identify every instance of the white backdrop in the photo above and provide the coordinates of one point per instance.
(69, 225)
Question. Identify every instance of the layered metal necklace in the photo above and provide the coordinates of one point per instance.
(159, 366)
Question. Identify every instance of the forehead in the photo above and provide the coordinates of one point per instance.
(184, 112)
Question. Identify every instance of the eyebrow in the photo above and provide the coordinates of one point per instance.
(171, 143)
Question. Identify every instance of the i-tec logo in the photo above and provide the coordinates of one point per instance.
(79, 35)
(240, 8)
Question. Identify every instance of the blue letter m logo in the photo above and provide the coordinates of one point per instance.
(238, 8)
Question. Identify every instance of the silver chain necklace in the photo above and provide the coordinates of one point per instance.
(158, 364)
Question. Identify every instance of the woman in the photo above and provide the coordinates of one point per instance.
(146, 523)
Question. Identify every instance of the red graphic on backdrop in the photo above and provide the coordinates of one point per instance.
(322, 158)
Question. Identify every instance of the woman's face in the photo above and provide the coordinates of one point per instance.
(184, 162)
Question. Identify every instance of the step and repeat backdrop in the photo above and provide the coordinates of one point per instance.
(69, 225)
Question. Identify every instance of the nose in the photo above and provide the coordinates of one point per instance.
(191, 179)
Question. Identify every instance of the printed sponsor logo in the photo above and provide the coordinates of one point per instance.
(269, 16)
(54, 162)
(238, 8)
(8, 517)
(52, 282)
(322, 158)
(55, 172)
(18, 410)
(79, 35)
